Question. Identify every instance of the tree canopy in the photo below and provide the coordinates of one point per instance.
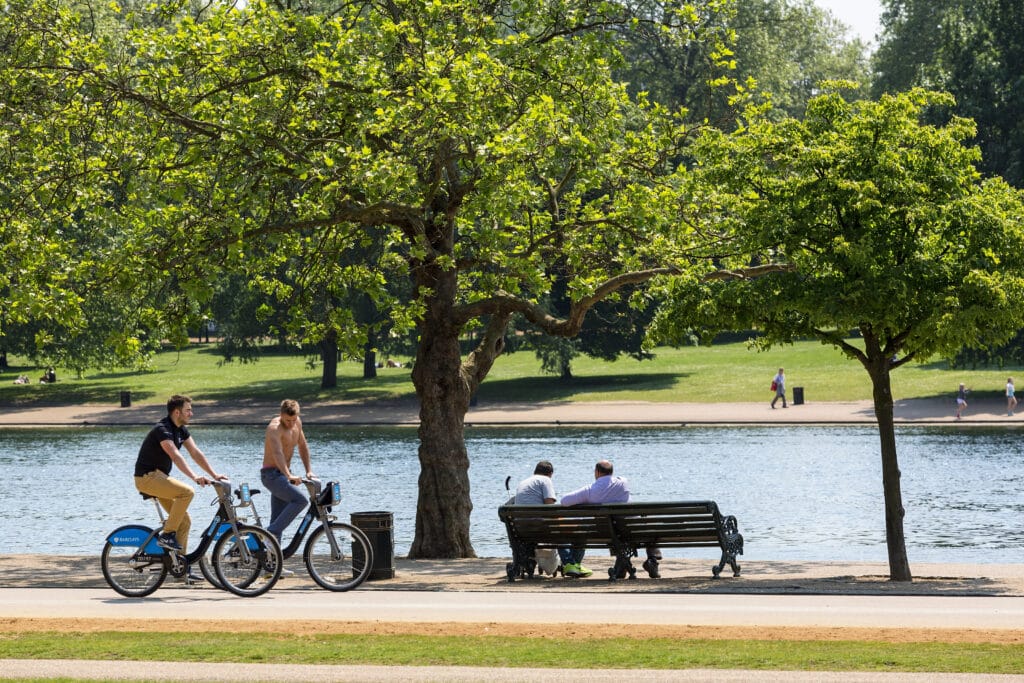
(464, 147)
(973, 49)
(888, 230)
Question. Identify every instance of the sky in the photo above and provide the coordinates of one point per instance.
(862, 16)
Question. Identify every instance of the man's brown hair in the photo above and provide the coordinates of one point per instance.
(177, 401)
(545, 468)
(289, 407)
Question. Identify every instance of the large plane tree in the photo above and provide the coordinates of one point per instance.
(467, 145)
(890, 232)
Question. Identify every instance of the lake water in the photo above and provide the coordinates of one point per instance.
(799, 493)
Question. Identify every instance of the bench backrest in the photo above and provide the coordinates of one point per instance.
(667, 525)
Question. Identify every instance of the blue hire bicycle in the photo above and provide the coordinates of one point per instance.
(246, 559)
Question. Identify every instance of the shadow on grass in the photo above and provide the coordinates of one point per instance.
(544, 389)
(105, 388)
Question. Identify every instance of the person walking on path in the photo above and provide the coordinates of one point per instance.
(1011, 400)
(961, 400)
(779, 387)
(159, 451)
(284, 434)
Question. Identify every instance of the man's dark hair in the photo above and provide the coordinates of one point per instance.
(604, 467)
(177, 401)
(544, 467)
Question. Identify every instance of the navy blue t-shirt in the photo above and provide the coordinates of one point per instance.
(151, 455)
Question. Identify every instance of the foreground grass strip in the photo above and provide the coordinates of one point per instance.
(496, 651)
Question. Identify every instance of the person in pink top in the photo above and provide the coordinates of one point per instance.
(606, 488)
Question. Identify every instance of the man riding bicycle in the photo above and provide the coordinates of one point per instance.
(283, 437)
(158, 453)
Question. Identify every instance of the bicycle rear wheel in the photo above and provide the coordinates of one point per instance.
(346, 569)
(130, 576)
(247, 563)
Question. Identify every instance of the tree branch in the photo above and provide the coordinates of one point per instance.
(503, 303)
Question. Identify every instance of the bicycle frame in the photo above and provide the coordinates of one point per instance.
(316, 511)
(144, 538)
(348, 550)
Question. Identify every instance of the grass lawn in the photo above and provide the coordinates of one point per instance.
(715, 374)
(501, 651)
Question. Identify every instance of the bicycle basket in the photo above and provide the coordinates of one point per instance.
(331, 495)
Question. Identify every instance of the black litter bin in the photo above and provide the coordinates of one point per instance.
(126, 399)
(378, 527)
(798, 396)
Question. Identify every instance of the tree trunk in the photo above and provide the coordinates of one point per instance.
(899, 566)
(444, 505)
(329, 356)
(369, 357)
(566, 374)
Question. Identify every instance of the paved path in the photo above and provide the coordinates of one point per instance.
(284, 673)
(917, 411)
(838, 611)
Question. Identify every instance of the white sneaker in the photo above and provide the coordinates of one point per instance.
(284, 573)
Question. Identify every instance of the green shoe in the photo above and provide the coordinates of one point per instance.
(583, 571)
(572, 571)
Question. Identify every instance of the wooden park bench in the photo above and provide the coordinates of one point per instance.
(623, 528)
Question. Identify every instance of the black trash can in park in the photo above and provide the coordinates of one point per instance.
(126, 399)
(798, 396)
(378, 527)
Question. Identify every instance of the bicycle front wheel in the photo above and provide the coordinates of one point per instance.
(206, 567)
(342, 570)
(247, 563)
(127, 573)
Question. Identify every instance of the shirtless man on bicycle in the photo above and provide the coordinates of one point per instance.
(284, 435)
(158, 453)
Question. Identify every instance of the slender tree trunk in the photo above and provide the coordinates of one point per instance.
(329, 356)
(566, 370)
(899, 566)
(370, 357)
